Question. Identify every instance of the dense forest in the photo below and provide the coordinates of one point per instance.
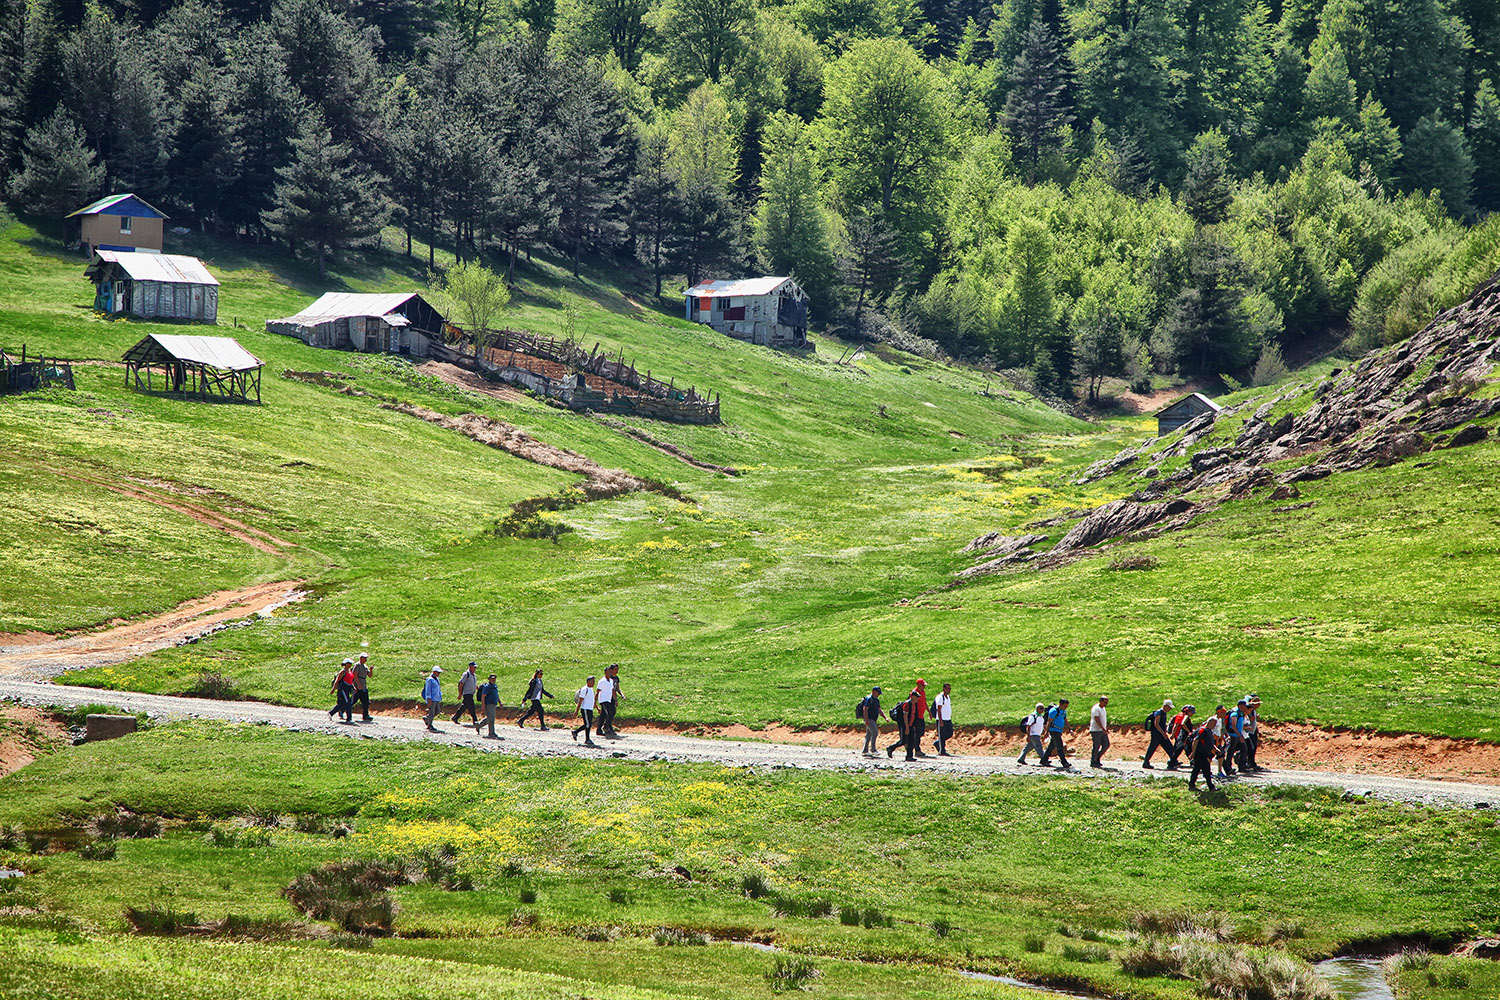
(1077, 188)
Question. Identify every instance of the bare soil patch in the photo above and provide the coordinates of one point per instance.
(456, 376)
(25, 734)
(126, 640)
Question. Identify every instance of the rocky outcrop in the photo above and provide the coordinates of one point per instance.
(999, 553)
(1121, 517)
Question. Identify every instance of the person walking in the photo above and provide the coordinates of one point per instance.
(899, 717)
(343, 691)
(942, 713)
(1099, 731)
(468, 685)
(1252, 731)
(1221, 741)
(1158, 727)
(1057, 725)
(1239, 746)
(1181, 732)
(614, 711)
(1202, 746)
(606, 708)
(917, 725)
(534, 694)
(432, 693)
(1032, 727)
(489, 698)
(908, 713)
(872, 713)
(585, 700)
(362, 673)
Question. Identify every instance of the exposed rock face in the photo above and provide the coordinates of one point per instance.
(1390, 406)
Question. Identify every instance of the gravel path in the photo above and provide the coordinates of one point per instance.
(655, 746)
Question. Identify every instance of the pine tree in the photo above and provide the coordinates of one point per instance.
(1376, 141)
(654, 200)
(12, 78)
(1206, 327)
(710, 230)
(1435, 157)
(323, 199)
(1207, 192)
(587, 138)
(58, 172)
(1036, 112)
(791, 228)
(206, 158)
(522, 209)
(1484, 143)
(266, 114)
(1329, 92)
(869, 262)
(1028, 326)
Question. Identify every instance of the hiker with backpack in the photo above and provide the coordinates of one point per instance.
(1032, 728)
(1203, 753)
(489, 697)
(1180, 730)
(1057, 725)
(343, 691)
(942, 713)
(534, 694)
(468, 686)
(869, 710)
(1158, 728)
(1252, 731)
(1221, 742)
(1099, 731)
(905, 715)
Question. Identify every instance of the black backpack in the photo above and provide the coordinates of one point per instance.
(859, 708)
(1151, 721)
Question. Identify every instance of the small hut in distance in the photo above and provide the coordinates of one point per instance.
(120, 222)
(154, 286)
(1182, 411)
(394, 322)
(202, 367)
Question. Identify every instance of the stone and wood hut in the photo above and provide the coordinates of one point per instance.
(1181, 411)
(196, 367)
(122, 222)
(394, 322)
(770, 311)
(154, 286)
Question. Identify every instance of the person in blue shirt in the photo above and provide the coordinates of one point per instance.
(489, 697)
(1057, 725)
(432, 693)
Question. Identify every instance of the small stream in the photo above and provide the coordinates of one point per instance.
(1356, 977)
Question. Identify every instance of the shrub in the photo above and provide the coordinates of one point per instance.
(159, 919)
(1034, 943)
(620, 897)
(1404, 961)
(213, 684)
(528, 896)
(791, 972)
(1270, 368)
(590, 932)
(942, 927)
(123, 823)
(310, 823)
(1085, 953)
(97, 850)
(37, 842)
(755, 885)
(1134, 562)
(875, 918)
(352, 894)
(673, 936)
(849, 916)
(10, 837)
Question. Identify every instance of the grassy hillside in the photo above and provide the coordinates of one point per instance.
(775, 595)
(1032, 877)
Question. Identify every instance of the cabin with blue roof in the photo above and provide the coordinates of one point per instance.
(120, 222)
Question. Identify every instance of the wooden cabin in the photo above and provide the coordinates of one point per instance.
(201, 368)
(394, 322)
(154, 286)
(1183, 411)
(770, 311)
(121, 222)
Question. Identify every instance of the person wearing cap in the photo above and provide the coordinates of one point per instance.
(1034, 725)
(432, 693)
(1099, 731)
(1221, 733)
(907, 714)
(605, 726)
(1235, 750)
(343, 691)
(942, 713)
(534, 694)
(585, 700)
(1203, 754)
(1157, 727)
(1057, 725)
(918, 727)
(1181, 732)
(872, 713)
(1252, 732)
(489, 697)
(468, 685)
(362, 672)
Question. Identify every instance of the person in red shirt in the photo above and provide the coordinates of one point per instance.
(343, 690)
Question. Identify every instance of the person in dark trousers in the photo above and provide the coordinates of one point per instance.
(899, 717)
(614, 708)
(1252, 731)
(468, 686)
(534, 694)
(432, 694)
(362, 673)
(1057, 725)
(1203, 754)
(908, 713)
(872, 713)
(942, 714)
(1158, 727)
(1034, 725)
(604, 724)
(1181, 732)
(489, 697)
(343, 692)
(917, 726)
(1099, 731)
(584, 703)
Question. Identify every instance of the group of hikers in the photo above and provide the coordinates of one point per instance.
(596, 702)
(1227, 740)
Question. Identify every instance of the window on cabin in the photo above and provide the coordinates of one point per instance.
(125, 221)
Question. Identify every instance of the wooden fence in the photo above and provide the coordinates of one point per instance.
(32, 373)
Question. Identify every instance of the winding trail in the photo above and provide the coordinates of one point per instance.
(659, 746)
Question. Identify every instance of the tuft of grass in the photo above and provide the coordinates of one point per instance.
(351, 894)
(1137, 562)
(1230, 971)
(676, 936)
(595, 932)
(620, 897)
(158, 918)
(527, 896)
(791, 972)
(36, 842)
(849, 916)
(98, 850)
(213, 684)
(942, 927)
(237, 925)
(10, 837)
(1034, 944)
(125, 824)
(755, 885)
(1085, 953)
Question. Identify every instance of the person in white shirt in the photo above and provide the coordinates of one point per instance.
(942, 711)
(1035, 725)
(1099, 731)
(606, 706)
(585, 701)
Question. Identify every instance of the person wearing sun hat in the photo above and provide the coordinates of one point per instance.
(1252, 731)
(432, 693)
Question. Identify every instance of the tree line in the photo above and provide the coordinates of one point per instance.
(1079, 188)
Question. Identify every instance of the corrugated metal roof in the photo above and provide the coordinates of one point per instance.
(223, 353)
(737, 286)
(342, 305)
(1214, 407)
(108, 201)
(168, 267)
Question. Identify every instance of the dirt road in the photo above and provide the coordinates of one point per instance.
(657, 745)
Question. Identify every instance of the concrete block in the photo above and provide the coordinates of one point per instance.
(108, 727)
